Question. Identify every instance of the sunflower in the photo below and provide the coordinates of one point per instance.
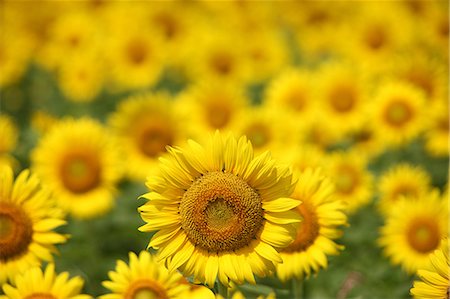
(8, 140)
(303, 156)
(435, 279)
(81, 78)
(413, 230)
(353, 182)
(402, 180)
(34, 283)
(212, 106)
(28, 216)
(219, 211)
(135, 55)
(292, 92)
(80, 162)
(398, 112)
(145, 125)
(342, 96)
(263, 129)
(322, 214)
(143, 277)
(436, 135)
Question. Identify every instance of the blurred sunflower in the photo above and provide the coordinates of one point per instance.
(145, 125)
(353, 182)
(368, 140)
(402, 180)
(303, 156)
(341, 92)
(292, 91)
(437, 133)
(434, 282)
(81, 78)
(34, 284)
(143, 277)
(322, 214)
(135, 56)
(220, 212)
(211, 106)
(80, 162)
(9, 135)
(414, 230)
(28, 216)
(263, 129)
(398, 112)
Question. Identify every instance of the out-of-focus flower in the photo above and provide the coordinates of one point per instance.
(402, 180)
(413, 230)
(353, 182)
(145, 125)
(80, 162)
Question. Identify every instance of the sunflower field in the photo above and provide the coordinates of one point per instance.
(224, 149)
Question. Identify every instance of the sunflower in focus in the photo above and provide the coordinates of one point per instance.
(8, 140)
(321, 214)
(398, 112)
(413, 230)
(143, 277)
(145, 125)
(28, 216)
(80, 162)
(402, 180)
(435, 279)
(37, 284)
(353, 182)
(219, 212)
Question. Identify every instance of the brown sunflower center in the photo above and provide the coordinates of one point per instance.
(221, 212)
(137, 52)
(398, 113)
(145, 289)
(153, 138)
(16, 232)
(222, 63)
(443, 124)
(80, 172)
(376, 38)
(168, 25)
(40, 296)
(424, 235)
(422, 80)
(405, 190)
(308, 230)
(258, 134)
(346, 180)
(296, 99)
(342, 98)
(218, 114)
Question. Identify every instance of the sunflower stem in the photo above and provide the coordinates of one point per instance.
(297, 288)
(223, 290)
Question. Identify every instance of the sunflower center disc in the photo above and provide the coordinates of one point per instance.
(221, 212)
(258, 135)
(424, 235)
(145, 289)
(308, 230)
(80, 172)
(343, 99)
(152, 141)
(16, 232)
(398, 113)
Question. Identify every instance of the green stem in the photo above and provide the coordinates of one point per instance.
(223, 290)
(297, 288)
